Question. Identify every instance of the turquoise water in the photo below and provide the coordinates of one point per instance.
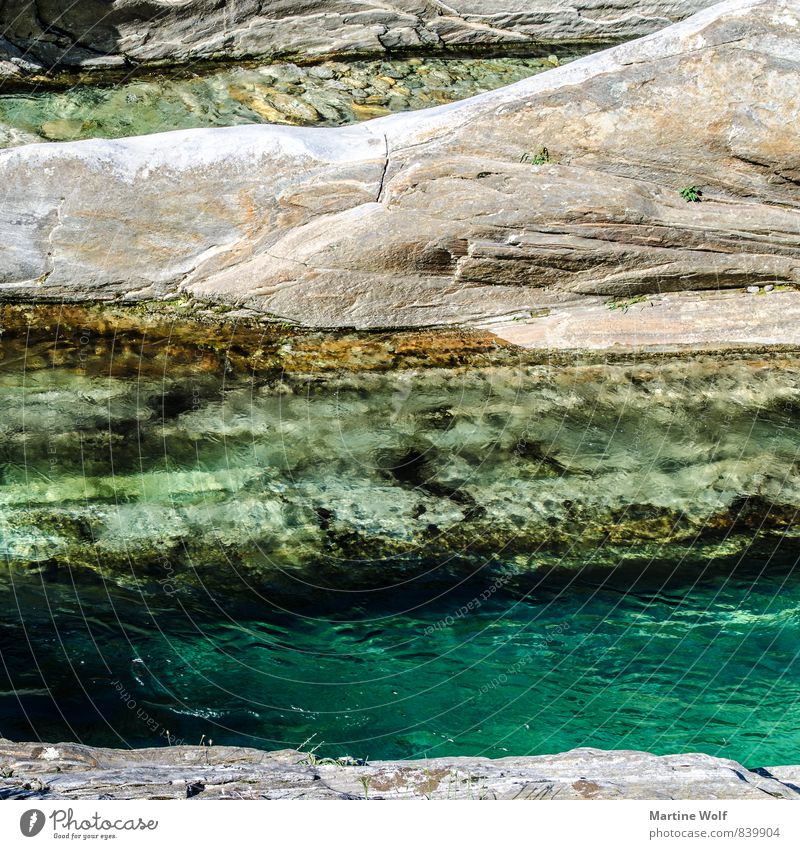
(331, 94)
(708, 664)
(491, 561)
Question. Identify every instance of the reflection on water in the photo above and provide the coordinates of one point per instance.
(516, 558)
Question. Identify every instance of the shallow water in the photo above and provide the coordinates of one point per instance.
(330, 94)
(709, 665)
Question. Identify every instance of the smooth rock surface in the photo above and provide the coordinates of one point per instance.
(439, 216)
(74, 771)
(38, 37)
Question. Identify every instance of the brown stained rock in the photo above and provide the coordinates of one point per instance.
(117, 340)
(74, 771)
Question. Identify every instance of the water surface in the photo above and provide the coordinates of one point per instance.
(330, 94)
(707, 665)
(202, 543)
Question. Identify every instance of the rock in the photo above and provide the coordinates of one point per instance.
(46, 36)
(368, 111)
(673, 321)
(257, 103)
(12, 137)
(432, 218)
(294, 108)
(62, 129)
(224, 772)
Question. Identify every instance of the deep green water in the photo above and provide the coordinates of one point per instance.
(709, 664)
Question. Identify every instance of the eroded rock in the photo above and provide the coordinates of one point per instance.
(45, 36)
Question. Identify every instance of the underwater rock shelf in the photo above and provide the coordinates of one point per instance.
(261, 450)
(330, 94)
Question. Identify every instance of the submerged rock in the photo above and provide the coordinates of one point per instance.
(45, 37)
(330, 94)
(74, 771)
(265, 454)
(546, 201)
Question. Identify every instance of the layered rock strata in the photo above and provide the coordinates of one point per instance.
(44, 37)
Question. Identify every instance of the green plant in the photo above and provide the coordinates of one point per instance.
(541, 157)
(310, 756)
(692, 194)
(365, 782)
(624, 303)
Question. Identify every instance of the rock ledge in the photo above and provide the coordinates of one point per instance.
(37, 39)
(455, 215)
(73, 771)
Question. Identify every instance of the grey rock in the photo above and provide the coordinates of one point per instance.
(74, 771)
(89, 34)
(438, 217)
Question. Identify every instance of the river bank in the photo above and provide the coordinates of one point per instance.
(70, 771)
(471, 430)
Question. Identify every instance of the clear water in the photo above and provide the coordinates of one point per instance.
(236, 482)
(364, 562)
(706, 665)
(328, 95)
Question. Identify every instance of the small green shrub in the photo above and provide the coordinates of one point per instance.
(541, 157)
(692, 194)
(624, 303)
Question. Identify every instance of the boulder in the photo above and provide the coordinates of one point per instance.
(553, 210)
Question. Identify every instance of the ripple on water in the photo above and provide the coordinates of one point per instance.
(523, 674)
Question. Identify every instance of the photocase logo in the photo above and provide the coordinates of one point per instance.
(31, 822)
(64, 821)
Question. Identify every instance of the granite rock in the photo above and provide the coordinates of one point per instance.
(91, 35)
